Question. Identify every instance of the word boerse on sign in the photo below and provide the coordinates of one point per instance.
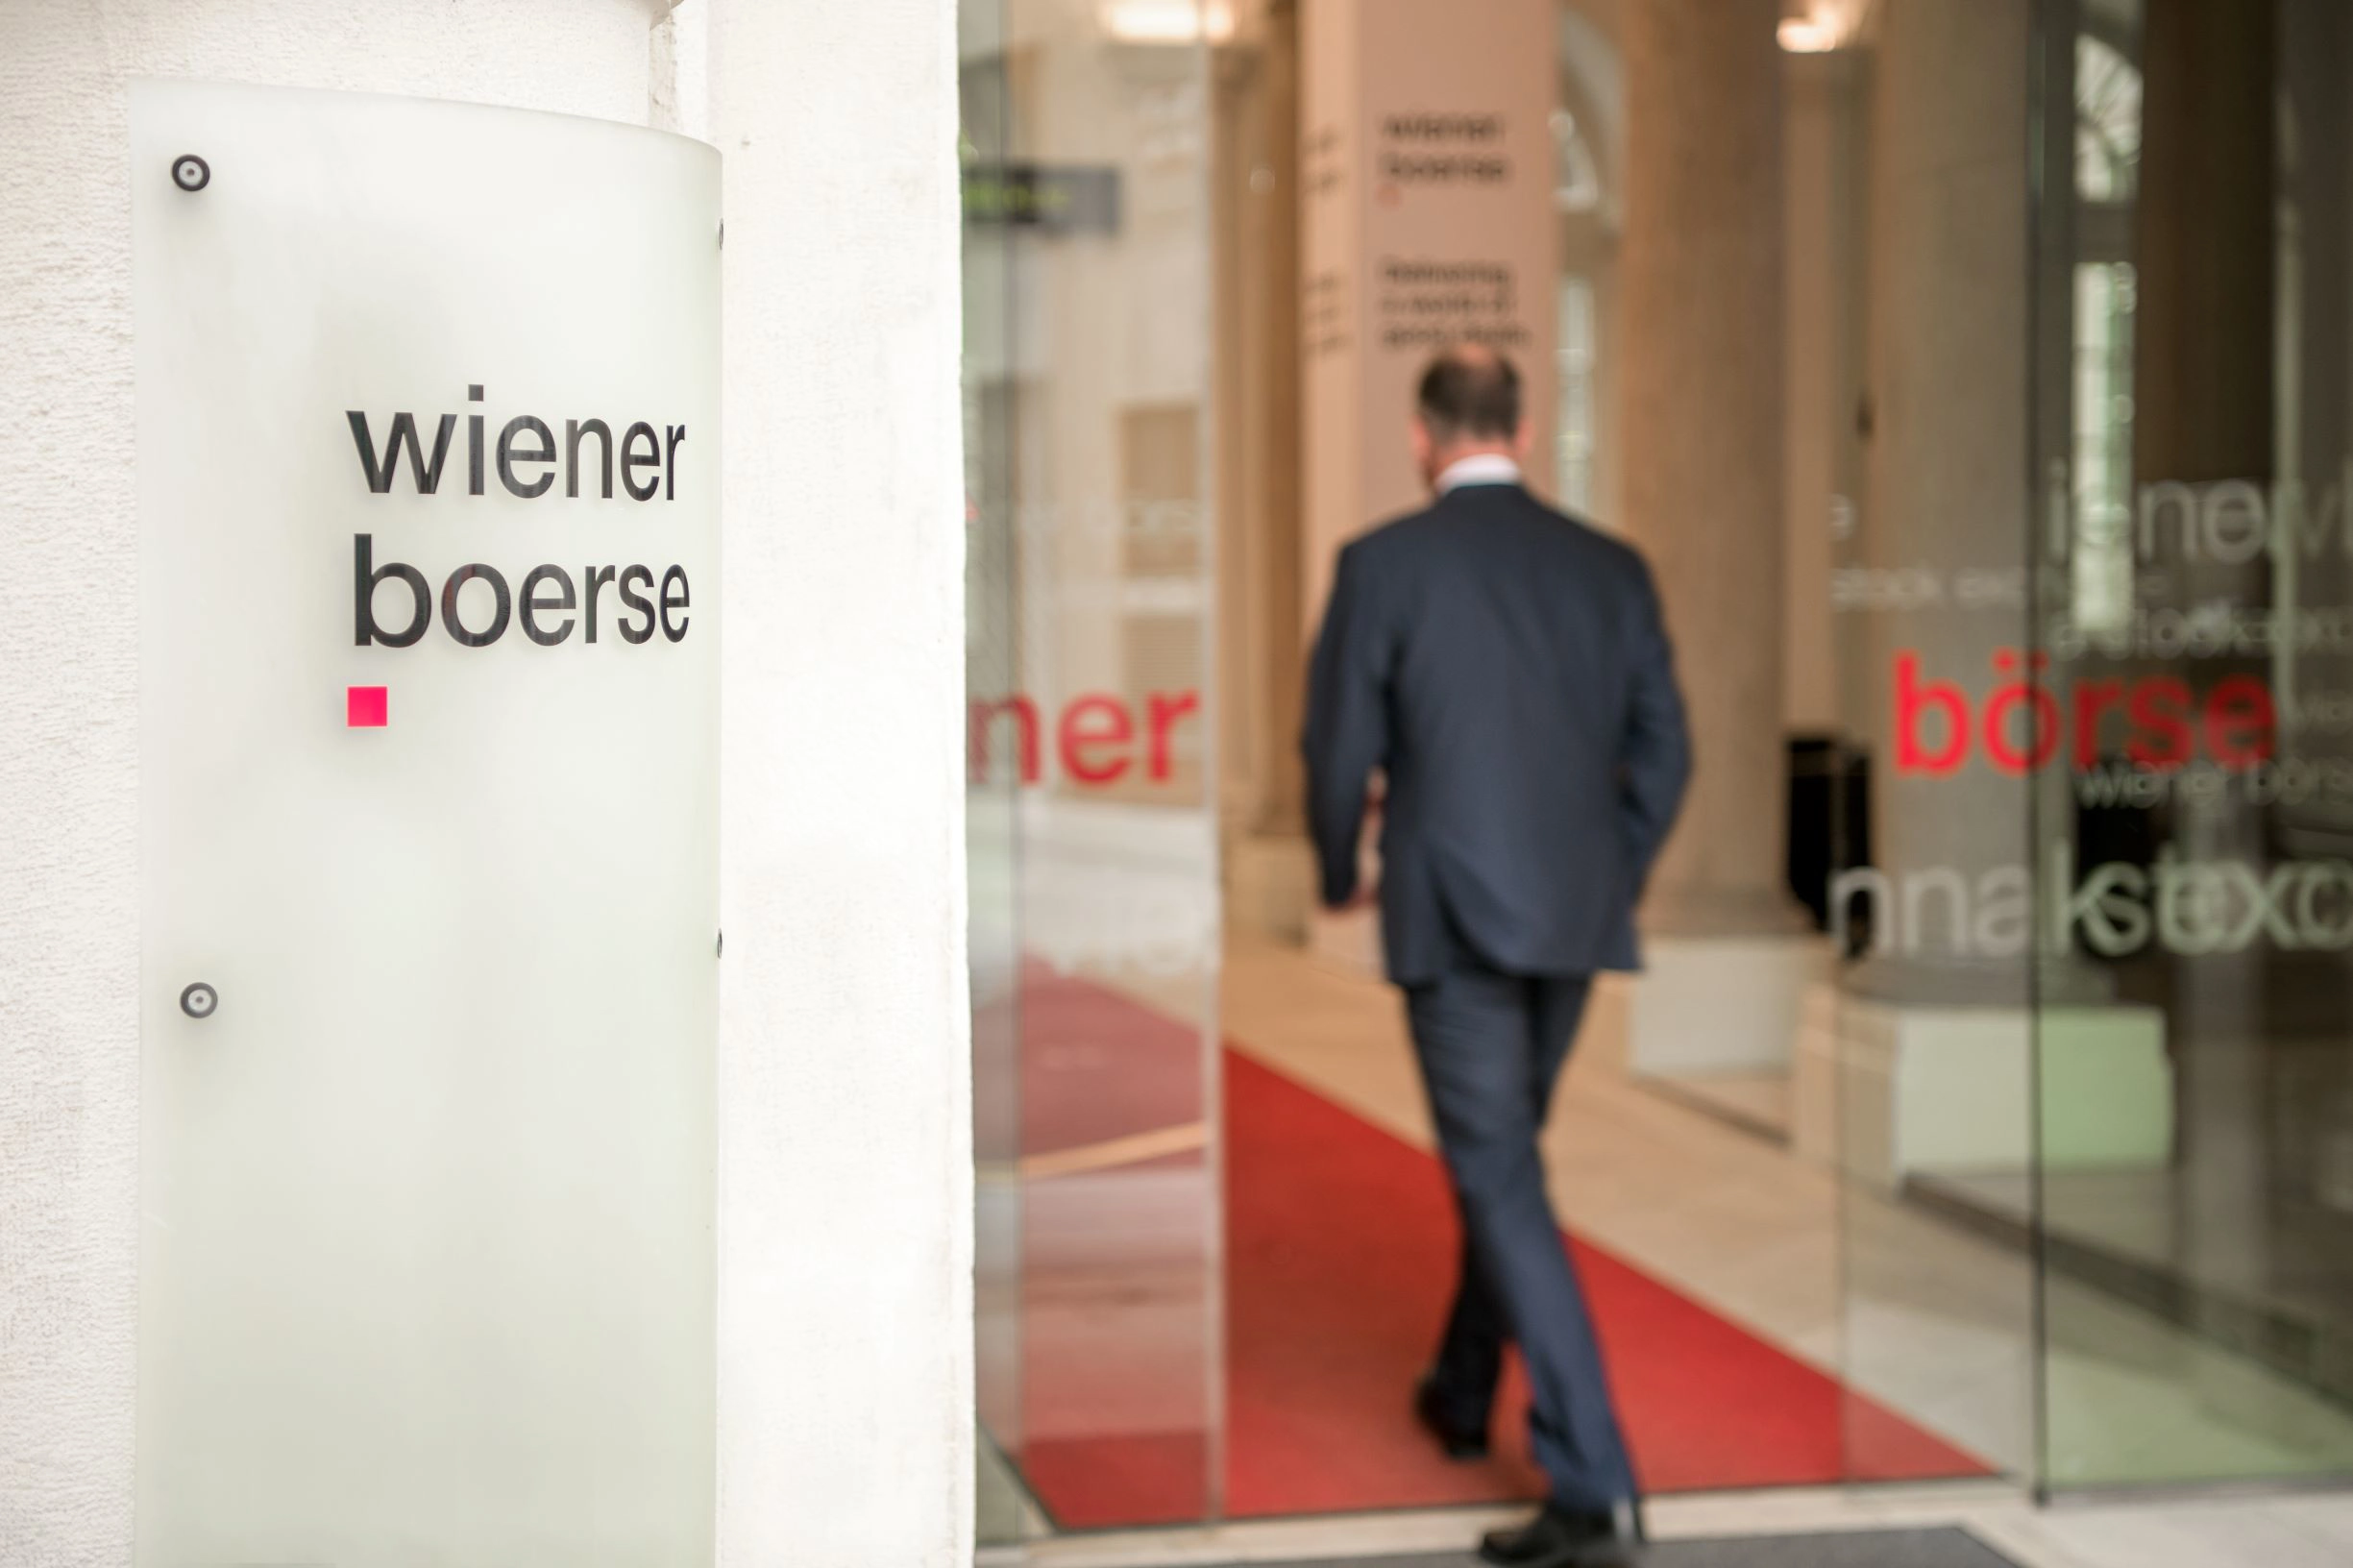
(549, 605)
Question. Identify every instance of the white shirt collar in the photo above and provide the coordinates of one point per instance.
(1480, 468)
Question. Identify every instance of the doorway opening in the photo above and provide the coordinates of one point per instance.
(1982, 1111)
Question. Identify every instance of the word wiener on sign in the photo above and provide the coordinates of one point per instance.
(548, 603)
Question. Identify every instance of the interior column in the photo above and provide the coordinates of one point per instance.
(1926, 1063)
(1704, 451)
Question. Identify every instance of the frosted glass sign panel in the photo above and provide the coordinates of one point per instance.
(428, 463)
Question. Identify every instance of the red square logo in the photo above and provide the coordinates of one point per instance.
(366, 707)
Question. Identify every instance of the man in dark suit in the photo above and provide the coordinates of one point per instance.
(1507, 669)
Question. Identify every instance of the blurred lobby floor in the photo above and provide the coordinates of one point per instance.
(1873, 1548)
(1933, 1321)
(2314, 1531)
(1926, 1317)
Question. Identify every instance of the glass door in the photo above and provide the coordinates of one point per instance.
(1088, 293)
(2091, 1062)
(1919, 1065)
(2193, 328)
(993, 795)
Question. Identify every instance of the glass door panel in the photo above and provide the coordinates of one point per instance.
(2194, 326)
(1920, 1065)
(1088, 279)
(991, 803)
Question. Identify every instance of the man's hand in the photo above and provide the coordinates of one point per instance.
(1368, 849)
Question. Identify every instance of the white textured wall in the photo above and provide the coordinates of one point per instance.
(845, 1267)
(842, 992)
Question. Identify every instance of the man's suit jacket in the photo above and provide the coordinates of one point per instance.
(1507, 668)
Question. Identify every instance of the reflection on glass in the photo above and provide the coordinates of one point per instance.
(1087, 391)
(2196, 1219)
(2084, 1080)
(2103, 520)
(1579, 396)
(1005, 1513)
(1928, 1082)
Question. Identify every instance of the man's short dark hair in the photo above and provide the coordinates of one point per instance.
(1471, 393)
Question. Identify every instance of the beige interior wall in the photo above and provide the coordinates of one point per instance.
(1375, 235)
(1309, 446)
(1427, 170)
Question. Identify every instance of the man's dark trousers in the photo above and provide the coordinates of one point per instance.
(1491, 1047)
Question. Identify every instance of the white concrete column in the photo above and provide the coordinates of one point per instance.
(69, 804)
(846, 1166)
(847, 1425)
(1946, 487)
(1703, 450)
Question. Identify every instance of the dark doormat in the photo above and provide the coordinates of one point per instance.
(1874, 1548)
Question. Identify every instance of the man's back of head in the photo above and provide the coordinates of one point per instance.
(1469, 402)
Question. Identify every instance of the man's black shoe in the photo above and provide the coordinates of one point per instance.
(1561, 1538)
(1462, 1444)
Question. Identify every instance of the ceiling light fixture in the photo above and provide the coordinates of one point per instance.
(1168, 21)
(1828, 25)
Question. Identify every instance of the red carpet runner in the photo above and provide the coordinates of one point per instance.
(1341, 1256)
